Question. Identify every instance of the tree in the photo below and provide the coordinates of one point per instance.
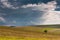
(12, 26)
(45, 31)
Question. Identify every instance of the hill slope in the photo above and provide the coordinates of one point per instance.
(29, 33)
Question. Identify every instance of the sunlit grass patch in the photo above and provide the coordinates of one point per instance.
(27, 38)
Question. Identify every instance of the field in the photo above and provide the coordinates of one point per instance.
(29, 33)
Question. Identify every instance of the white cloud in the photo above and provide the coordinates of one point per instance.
(8, 4)
(29, 5)
(50, 16)
(2, 19)
(49, 6)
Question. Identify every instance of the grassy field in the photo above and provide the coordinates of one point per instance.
(29, 33)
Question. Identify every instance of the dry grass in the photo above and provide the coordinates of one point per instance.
(28, 33)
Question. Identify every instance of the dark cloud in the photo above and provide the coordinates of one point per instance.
(2, 23)
(24, 2)
(58, 5)
(58, 2)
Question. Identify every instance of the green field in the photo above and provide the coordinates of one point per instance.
(29, 33)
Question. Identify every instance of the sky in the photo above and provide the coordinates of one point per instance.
(29, 12)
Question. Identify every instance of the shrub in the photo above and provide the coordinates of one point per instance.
(45, 31)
